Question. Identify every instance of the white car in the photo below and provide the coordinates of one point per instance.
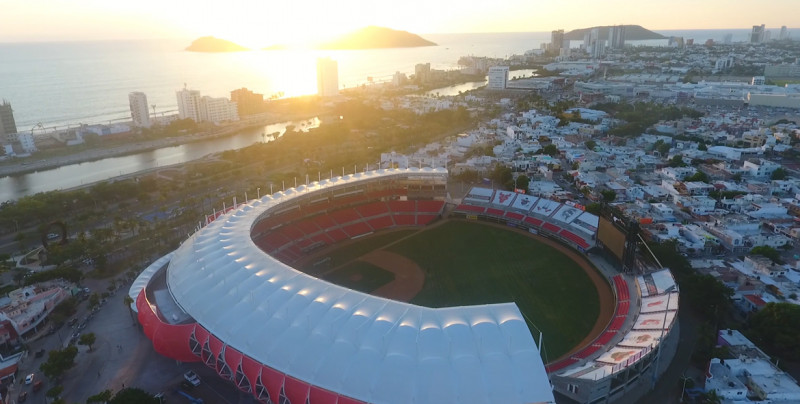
(29, 379)
(192, 378)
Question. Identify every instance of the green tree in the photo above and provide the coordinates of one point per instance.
(64, 310)
(132, 395)
(608, 195)
(769, 252)
(522, 182)
(127, 301)
(551, 150)
(677, 161)
(502, 177)
(663, 148)
(100, 397)
(698, 177)
(594, 208)
(58, 362)
(94, 300)
(778, 174)
(590, 144)
(54, 391)
(774, 328)
(702, 147)
(88, 339)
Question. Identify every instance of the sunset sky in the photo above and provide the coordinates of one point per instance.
(262, 22)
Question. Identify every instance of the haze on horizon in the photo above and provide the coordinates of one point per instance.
(257, 23)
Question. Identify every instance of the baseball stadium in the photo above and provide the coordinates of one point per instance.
(379, 287)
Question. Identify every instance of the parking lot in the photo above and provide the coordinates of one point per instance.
(121, 357)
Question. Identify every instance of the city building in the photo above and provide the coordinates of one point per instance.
(7, 124)
(327, 77)
(217, 110)
(595, 46)
(189, 104)
(422, 72)
(616, 37)
(498, 78)
(247, 102)
(557, 40)
(757, 34)
(27, 141)
(784, 35)
(748, 375)
(140, 112)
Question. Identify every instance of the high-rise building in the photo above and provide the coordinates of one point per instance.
(140, 112)
(7, 124)
(498, 78)
(247, 102)
(205, 109)
(327, 77)
(189, 104)
(422, 72)
(757, 34)
(616, 37)
(556, 40)
(727, 39)
(597, 46)
(217, 110)
(784, 35)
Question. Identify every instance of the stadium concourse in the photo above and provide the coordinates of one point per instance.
(228, 297)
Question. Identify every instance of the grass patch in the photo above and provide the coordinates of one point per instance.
(361, 276)
(471, 264)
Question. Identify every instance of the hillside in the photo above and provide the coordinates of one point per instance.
(376, 38)
(211, 44)
(632, 33)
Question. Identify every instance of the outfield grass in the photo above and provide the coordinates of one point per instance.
(361, 276)
(469, 263)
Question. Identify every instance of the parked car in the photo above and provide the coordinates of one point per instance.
(37, 386)
(29, 378)
(192, 378)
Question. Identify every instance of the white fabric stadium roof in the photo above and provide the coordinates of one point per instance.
(366, 347)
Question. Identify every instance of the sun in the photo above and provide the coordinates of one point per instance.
(263, 24)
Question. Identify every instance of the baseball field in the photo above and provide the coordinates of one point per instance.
(461, 263)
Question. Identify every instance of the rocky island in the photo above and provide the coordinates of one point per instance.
(632, 33)
(376, 38)
(212, 44)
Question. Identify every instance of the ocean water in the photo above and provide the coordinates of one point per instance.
(61, 84)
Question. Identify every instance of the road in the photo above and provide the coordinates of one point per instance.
(121, 357)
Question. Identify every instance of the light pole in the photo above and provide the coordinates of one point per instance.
(258, 192)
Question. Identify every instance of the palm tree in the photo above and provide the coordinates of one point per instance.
(127, 300)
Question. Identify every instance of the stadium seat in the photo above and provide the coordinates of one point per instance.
(470, 208)
(551, 228)
(533, 221)
(372, 209)
(357, 229)
(381, 222)
(494, 212)
(515, 216)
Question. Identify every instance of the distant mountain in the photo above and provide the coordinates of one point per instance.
(632, 33)
(211, 44)
(376, 38)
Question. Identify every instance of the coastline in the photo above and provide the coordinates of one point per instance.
(138, 147)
